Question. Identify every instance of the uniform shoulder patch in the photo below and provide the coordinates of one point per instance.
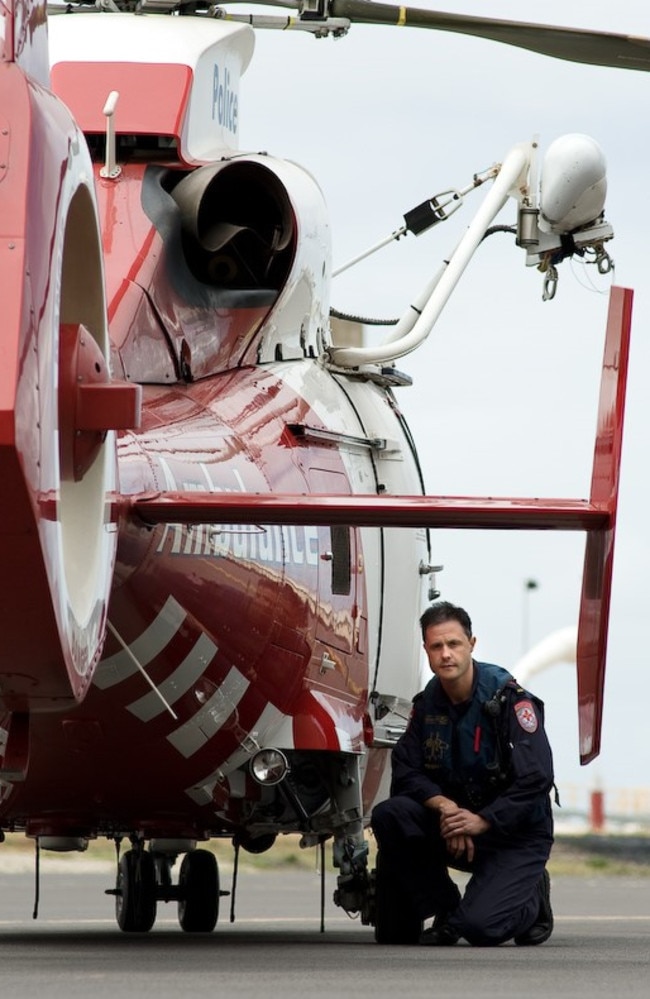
(526, 716)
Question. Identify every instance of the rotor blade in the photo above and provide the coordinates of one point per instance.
(574, 44)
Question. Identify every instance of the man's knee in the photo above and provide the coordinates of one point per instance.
(386, 820)
(400, 821)
(479, 935)
(399, 815)
(383, 813)
(480, 927)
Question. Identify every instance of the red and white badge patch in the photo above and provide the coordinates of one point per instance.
(526, 716)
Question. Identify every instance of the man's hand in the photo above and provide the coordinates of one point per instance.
(458, 826)
(459, 846)
(462, 822)
(443, 806)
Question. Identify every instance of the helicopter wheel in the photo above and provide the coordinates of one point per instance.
(395, 921)
(135, 905)
(198, 907)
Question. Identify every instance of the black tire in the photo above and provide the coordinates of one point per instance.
(198, 881)
(395, 920)
(135, 906)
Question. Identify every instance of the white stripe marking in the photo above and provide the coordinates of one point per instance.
(145, 648)
(210, 718)
(178, 683)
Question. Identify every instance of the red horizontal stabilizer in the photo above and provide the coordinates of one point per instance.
(468, 512)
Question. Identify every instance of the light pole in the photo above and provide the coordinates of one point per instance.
(529, 585)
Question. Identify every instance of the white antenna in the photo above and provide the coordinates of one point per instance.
(111, 170)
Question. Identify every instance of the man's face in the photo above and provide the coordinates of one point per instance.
(449, 651)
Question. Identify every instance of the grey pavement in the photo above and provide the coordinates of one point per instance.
(600, 947)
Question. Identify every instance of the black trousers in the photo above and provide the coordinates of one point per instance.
(501, 899)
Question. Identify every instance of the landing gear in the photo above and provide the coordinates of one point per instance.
(198, 885)
(395, 920)
(144, 879)
(135, 897)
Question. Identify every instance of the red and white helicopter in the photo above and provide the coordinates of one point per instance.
(213, 518)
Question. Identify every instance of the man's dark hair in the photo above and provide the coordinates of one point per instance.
(444, 611)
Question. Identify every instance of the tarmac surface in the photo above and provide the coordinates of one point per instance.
(275, 948)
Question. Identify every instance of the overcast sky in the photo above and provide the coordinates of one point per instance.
(505, 389)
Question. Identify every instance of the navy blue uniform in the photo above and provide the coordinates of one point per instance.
(494, 760)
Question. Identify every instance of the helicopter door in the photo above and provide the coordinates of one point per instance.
(337, 616)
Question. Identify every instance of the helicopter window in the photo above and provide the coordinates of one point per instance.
(340, 548)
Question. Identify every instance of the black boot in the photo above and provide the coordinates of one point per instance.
(542, 928)
(440, 934)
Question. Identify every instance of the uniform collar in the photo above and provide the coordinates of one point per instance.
(439, 696)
